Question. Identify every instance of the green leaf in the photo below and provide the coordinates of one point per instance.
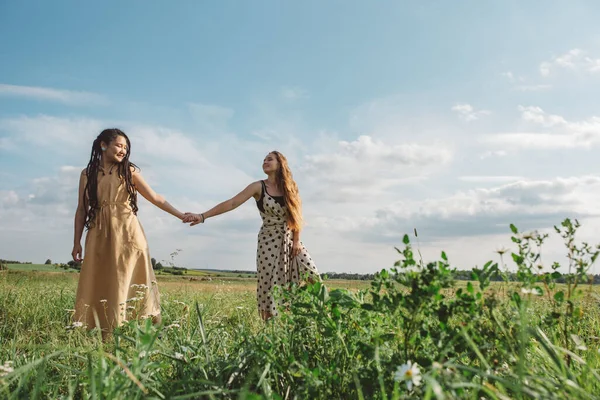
(517, 258)
(514, 229)
(516, 299)
(470, 288)
(406, 239)
(444, 257)
(559, 296)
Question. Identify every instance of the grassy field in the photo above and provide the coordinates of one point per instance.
(35, 267)
(413, 332)
(61, 362)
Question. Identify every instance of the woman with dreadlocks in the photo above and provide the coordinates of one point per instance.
(281, 257)
(116, 273)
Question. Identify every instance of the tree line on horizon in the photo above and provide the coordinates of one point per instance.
(461, 275)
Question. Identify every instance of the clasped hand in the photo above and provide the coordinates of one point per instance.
(192, 219)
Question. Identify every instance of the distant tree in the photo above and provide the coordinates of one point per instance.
(48, 262)
(153, 261)
(74, 265)
(158, 266)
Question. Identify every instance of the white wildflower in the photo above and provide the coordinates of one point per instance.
(74, 325)
(408, 373)
(103, 301)
(70, 310)
(533, 291)
(173, 326)
(6, 368)
(145, 353)
(133, 299)
(501, 250)
(130, 307)
(179, 356)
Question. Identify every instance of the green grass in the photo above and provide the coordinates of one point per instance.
(60, 363)
(34, 267)
(337, 340)
(205, 273)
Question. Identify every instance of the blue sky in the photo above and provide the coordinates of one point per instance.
(451, 117)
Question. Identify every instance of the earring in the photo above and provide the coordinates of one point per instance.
(104, 149)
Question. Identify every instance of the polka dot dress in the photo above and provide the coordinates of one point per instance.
(274, 262)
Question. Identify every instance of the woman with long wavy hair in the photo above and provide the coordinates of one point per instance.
(281, 257)
(116, 280)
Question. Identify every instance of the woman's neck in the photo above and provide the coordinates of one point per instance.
(106, 165)
(271, 180)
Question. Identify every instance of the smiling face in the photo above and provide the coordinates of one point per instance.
(270, 164)
(116, 150)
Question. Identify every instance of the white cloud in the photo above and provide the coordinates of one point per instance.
(489, 178)
(75, 136)
(529, 203)
(159, 143)
(368, 166)
(575, 60)
(293, 93)
(509, 76)
(8, 198)
(468, 113)
(532, 88)
(493, 153)
(558, 132)
(529, 140)
(539, 116)
(48, 131)
(69, 97)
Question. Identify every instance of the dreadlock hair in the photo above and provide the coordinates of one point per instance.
(93, 167)
(285, 181)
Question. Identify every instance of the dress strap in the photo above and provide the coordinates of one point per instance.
(264, 189)
(259, 202)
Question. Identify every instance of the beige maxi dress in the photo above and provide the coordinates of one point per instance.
(116, 282)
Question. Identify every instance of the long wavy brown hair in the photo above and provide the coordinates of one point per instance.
(124, 170)
(285, 181)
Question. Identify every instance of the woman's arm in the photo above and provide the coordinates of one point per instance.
(80, 214)
(146, 191)
(252, 190)
(295, 243)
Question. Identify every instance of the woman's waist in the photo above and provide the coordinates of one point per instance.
(116, 204)
(274, 226)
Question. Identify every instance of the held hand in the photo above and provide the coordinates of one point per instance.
(199, 219)
(188, 217)
(77, 253)
(295, 248)
(193, 219)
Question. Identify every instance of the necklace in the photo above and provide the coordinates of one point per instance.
(109, 171)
